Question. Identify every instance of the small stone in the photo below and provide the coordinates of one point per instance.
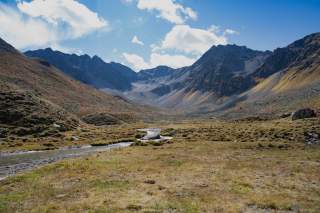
(150, 181)
(134, 207)
(161, 188)
(74, 138)
(203, 185)
(61, 196)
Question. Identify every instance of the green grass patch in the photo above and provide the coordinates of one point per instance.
(241, 188)
(174, 162)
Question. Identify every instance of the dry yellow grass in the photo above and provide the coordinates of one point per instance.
(210, 167)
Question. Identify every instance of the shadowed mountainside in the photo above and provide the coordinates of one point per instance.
(89, 70)
(157, 72)
(33, 88)
(221, 72)
(228, 76)
(293, 80)
(237, 79)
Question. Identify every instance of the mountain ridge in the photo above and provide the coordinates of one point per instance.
(223, 74)
(229, 74)
(54, 93)
(89, 70)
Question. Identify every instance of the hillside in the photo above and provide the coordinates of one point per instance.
(34, 88)
(221, 72)
(157, 72)
(227, 78)
(289, 79)
(89, 70)
(237, 79)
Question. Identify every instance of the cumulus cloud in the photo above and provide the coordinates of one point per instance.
(174, 61)
(156, 59)
(186, 39)
(168, 10)
(41, 23)
(24, 32)
(231, 32)
(181, 46)
(136, 61)
(135, 40)
(78, 18)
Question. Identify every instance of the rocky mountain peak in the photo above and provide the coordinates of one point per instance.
(6, 48)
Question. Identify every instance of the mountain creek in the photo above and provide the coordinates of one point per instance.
(15, 162)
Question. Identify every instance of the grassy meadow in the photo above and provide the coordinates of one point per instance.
(209, 166)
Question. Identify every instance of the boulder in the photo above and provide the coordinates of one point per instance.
(152, 134)
(101, 119)
(304, 113)
(3, 132)
(285, 115)
(311, 138)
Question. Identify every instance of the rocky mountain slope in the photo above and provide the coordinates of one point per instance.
(289, 79)
(157, 72)
(230, 78)
(236, 78)
(221, 72)
(89, 70)
(35, 92)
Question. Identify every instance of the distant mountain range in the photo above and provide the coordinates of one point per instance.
(244, 81)
(89, 70)
(35, 96)
(96, 72)
(224, 79)
(154, 73)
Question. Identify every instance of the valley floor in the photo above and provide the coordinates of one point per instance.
(210, 166)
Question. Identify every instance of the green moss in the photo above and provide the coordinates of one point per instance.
(29, 177)
(11, 198)
(174, 162)
(241, 188)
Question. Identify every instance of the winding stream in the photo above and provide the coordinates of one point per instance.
(13, 163)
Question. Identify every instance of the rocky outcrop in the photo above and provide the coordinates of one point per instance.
(224, 70)
(154, 73)
(301, 53)
(101, 119)
(23, 113)
(311, 138)
(304, 113)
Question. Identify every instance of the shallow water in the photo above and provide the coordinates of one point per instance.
(12, 163)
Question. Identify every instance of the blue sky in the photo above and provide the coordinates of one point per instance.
(147, 33)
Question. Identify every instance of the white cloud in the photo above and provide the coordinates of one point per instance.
(185, 45)
(183, 38)
(214, 29)
(135, 40)
(126, 1)
(136, 61)
(168, 10)
(23, 32)
(174, 61)
(231, 32)
(78, 18)
(42, 23)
